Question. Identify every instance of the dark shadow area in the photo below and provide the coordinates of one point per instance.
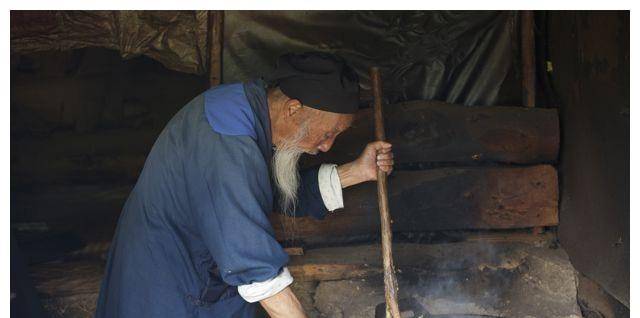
(82, 123)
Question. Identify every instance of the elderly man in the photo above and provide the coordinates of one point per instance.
(194, 239)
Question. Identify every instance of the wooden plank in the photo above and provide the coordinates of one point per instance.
(311, 272)
(437, 132)
(333, 263)
(359, 261)
(294, 250)
(439, 199)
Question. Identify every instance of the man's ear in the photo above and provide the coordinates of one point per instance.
(292, 106)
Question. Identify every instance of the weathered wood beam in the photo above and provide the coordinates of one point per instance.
(61, 279)
(333, 271)
(439, 199)
(437, 132)
(429, 132)
(352, 262)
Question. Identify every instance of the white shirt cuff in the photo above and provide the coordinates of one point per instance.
(330, 187)
(261, 290)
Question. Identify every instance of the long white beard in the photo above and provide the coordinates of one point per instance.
(285, 170)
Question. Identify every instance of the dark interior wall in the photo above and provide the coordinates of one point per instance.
(82, 123)
(590, 55)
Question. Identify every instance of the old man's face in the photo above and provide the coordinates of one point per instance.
(308, 131)
(323, 128)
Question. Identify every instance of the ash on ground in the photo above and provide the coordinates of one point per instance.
(512, 280)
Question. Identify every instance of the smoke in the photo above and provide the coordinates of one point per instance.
(488, 278)
(469, 279)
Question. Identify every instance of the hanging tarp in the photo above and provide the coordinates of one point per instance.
(177, 39)
(453, 56)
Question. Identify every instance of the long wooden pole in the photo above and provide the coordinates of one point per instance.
(528, 49)
(390, 281)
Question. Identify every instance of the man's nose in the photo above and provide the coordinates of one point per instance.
(326, 145)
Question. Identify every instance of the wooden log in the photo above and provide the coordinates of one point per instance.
(439, 199)
(437, 132)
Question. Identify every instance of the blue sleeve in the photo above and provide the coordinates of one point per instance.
(310, 201)
(233, 220)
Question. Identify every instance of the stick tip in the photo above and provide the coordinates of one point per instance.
(374, 73)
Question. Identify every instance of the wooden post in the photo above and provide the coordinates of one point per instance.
(528, 47)
(390, 281)
(216, 22)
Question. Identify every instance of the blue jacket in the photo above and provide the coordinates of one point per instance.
(195, 225)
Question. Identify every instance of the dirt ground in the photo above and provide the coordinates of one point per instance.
(471, 279)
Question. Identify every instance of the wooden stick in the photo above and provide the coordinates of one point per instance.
(215, 20)
(390, 281)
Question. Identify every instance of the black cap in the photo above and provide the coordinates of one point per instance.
(319, 80)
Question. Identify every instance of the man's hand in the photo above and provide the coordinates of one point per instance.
(365, 168)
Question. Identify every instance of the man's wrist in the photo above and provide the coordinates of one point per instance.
(349, 175)
(283, 304)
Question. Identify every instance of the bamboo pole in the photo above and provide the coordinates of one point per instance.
(390, 281)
